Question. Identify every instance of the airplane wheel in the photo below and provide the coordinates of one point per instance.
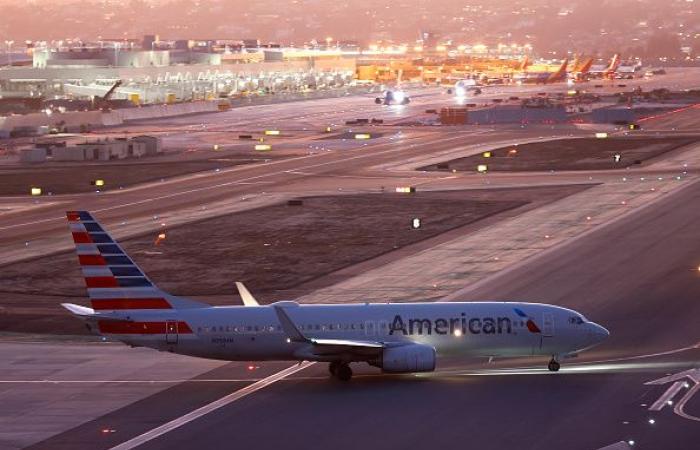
(378, 101)
(333, 367)
(553, 366)
(343, 372)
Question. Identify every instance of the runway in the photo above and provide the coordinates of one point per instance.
(648, 302)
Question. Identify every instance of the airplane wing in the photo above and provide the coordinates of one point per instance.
(325, 348)
(246, 296)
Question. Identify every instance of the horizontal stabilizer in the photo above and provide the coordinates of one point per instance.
(86, 313)
(78, 310)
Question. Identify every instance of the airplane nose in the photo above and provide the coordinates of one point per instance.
(597, 332)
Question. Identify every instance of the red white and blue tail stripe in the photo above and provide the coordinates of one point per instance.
(113, 280)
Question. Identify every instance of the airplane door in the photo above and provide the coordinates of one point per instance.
(547, 331)
(547, 325)
(171, 332)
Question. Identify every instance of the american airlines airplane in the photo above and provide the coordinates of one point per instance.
(397, 338)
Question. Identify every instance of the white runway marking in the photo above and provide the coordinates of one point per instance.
(213, 406)
(667, 396)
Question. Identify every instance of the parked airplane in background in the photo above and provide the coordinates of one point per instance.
(609, 71)
(465, 87)
(543, 77)
(398, 338)
(393, 97)
(580, 70)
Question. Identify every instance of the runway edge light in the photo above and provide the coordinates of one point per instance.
(263, 147)
(363, 136)
(35, 191)
(482, 168)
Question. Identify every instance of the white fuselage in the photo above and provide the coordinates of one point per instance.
(475, 329)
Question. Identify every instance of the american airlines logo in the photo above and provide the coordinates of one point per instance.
(453, 325)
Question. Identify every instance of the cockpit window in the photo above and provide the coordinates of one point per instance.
(575, 320)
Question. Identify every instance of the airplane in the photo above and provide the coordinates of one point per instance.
(395, 337)
(544, 77)
(395, 97)
(464, 87)
(579, 72)
(609, 71)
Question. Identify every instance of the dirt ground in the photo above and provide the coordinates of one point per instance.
(281, 251)
(71, 178)
(569, 154)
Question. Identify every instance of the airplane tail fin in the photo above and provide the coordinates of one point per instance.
(113, 280)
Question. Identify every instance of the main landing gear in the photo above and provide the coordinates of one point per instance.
(340, 370)
(553, 365)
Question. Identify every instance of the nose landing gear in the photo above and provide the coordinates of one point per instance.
(340, 370)
(553, 365)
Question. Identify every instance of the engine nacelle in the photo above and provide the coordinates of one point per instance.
(408, 358)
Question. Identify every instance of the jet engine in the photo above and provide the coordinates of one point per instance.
(407, 358)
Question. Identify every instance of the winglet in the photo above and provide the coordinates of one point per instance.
(288, 326)
(246, 296)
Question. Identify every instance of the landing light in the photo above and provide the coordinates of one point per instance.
(482, 168)
(263, 147)
(35, 191)
(159, 238)
(363, 136)
(272, 132)
(458, 332)
(601, 135)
